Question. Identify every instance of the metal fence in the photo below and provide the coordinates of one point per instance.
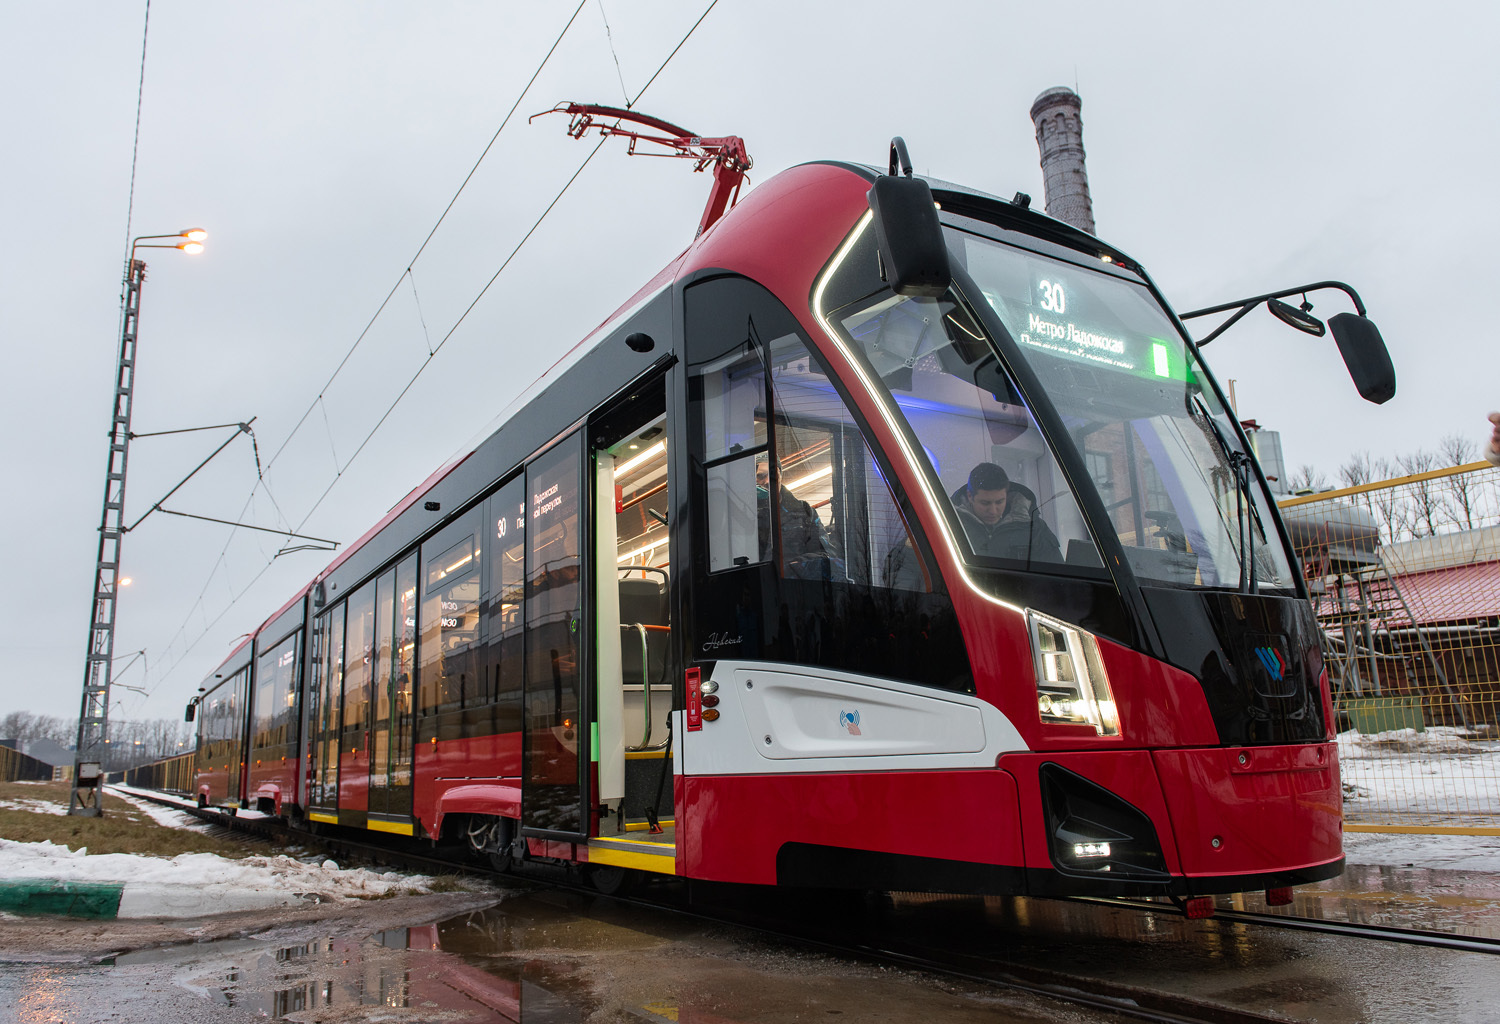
(17, 767)
(1405, 578)
(171, 774)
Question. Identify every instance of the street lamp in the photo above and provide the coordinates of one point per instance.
(93, 716)
(192, 242)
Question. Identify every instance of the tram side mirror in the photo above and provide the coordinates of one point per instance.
(1365, 355)
(1294, 317)
(913, 255)
(191, 710)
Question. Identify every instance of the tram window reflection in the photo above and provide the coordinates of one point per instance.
(966, 412)
(450, 616)
(839, 519)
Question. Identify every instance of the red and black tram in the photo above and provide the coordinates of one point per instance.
(726, 594)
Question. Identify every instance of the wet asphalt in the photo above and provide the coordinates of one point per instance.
(542, 956)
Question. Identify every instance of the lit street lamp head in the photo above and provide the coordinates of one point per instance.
(191, 241)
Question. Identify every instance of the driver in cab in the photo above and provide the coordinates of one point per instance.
(1000, 518)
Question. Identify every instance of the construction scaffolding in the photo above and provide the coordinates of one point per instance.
(1405, 579)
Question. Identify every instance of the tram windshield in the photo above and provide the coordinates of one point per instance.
(1160, 449)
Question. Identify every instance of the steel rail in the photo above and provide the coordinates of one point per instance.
(1122, 1000)
(1383, 933)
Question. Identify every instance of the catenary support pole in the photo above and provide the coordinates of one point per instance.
(93, 716)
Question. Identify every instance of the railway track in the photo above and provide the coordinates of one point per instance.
(699, 901)
(1384, 933)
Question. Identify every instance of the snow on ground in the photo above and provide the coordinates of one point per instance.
(278, 873)
(163, 816)
(35, 806)
(1442, 775)
(127, 792)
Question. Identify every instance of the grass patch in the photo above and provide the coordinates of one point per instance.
(122, 829)
(449, 883)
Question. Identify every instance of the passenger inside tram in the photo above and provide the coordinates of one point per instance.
(804, 539)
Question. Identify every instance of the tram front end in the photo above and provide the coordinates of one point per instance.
(1125, 586)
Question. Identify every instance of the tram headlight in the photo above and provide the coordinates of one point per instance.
(1071, 685)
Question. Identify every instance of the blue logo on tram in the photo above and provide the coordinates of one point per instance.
(1274, 663)
(850, 721)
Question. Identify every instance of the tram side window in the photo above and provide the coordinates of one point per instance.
(404, 636)
(359, 663)
(450, 577)
(506, 627)
(838, 517)
(223, 724)
(275, 693)
(728, 393)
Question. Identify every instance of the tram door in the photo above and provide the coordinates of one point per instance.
(554, 743)
(632, 610)
(391, 737)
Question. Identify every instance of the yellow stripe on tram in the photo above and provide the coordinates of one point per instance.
(402, 828)
(642, 826)
(327, 819)
(654, 862)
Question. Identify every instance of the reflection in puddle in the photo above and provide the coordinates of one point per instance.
(404, 970)
(540, 959)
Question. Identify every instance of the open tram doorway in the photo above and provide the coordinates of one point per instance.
(635, 656)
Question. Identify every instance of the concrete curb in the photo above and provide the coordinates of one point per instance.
(52, 896)
(34, 897)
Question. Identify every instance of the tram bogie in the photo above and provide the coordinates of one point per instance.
(797, 574)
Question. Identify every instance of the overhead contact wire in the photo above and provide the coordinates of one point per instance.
(322, 391)
(384, 416)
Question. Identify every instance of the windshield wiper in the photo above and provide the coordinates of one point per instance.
(1239, 465)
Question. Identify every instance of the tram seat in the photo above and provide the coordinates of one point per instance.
(644, 602)
(1083, 552)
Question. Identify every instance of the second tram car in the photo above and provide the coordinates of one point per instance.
(873, 543)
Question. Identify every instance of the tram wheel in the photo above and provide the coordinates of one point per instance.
(611, 879)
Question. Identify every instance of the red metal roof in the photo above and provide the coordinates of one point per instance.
(1455, 594)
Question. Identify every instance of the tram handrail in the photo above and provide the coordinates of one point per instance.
(645, 743)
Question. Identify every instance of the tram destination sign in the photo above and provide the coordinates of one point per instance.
(1079, 315)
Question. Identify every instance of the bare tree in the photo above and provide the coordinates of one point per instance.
(1427, 507)
(1360, 469)
(1463, 489)
(1385, 503)
(18, 725)
(1307, 480)
(58, 730)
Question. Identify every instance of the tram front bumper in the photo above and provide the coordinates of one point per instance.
(1253, 810)
(1182, 822)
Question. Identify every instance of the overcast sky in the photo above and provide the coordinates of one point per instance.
(1232, 150)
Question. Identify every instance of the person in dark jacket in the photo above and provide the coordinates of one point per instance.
(806, 550)
(1000, 517)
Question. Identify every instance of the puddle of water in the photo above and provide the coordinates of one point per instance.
(550, 958)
